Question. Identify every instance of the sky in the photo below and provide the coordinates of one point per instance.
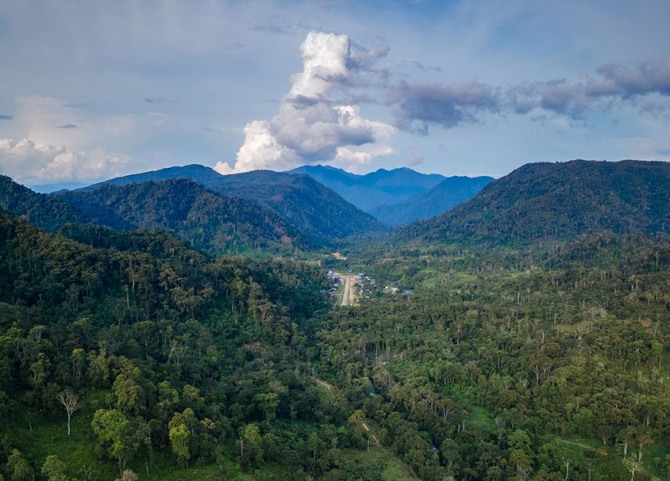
(94, 90)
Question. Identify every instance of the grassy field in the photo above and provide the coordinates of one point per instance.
(392, 468)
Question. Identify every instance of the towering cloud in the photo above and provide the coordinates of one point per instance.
(313, 125)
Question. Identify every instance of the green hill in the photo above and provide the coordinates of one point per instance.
(209, 221)
(316, 211)
(558, 201)
(40, 209)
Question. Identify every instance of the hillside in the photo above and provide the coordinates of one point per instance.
(558, 201)
(379, 188)
(319, 213)
(140, 345)
(40, 209)
(209, 221)
(465, 359)
(441, 198)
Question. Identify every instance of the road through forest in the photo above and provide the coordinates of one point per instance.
(348, 295)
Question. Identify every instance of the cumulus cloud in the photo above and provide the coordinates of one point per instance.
(313, 124)
(61, 142)
(28, 162)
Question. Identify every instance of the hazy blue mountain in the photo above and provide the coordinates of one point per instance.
(315, 210)
(444, 196)
(382, 187)
(49, 188)
(558, 201)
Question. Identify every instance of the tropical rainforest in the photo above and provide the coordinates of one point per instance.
(523, 335)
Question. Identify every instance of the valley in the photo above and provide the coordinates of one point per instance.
(521, 335)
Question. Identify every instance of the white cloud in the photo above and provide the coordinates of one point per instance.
(62, 142)
(33, 163)
(259, 143)
(312, 124)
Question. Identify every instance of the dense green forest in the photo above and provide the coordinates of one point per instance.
(320, 214)
(499, 364)
(208, 221)
(132, 355)
(557, 201)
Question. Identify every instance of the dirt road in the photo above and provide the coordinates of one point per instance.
(348, 296)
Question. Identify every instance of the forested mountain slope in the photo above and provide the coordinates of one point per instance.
(40, 209)
(315, 210)
(209, 221)
(558, 201)
(198, 173)
(170, 361)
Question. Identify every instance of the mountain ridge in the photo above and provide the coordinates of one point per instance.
(558, 201)
(210, 221)
(397, 196)
(382, 187)
(441, 198)
(42, 210)
(321, 214)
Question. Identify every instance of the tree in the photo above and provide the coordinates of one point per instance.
(54, 469)
(632, 465)
(111, 427)
(19, 467)
(71, 403)
(129, 394)
(268, 402)
(179, 439)
(251, 449)
(127, 475)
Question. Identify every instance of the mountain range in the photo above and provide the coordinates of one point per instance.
(280, 212)
(209, 221)
(318, 212)
(398, 196)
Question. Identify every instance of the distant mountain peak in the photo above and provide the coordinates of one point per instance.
(395, 196)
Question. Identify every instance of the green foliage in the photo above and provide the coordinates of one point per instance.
(206, 220)
(54, 469)
(40, 209)
(545, 362)
(19, 468)
(546, 202)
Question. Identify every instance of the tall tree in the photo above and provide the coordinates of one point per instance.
(70, 402)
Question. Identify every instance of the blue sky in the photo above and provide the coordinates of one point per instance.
(92, 90)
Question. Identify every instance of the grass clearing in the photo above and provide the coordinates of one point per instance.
(392, 468)
(481, 420)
